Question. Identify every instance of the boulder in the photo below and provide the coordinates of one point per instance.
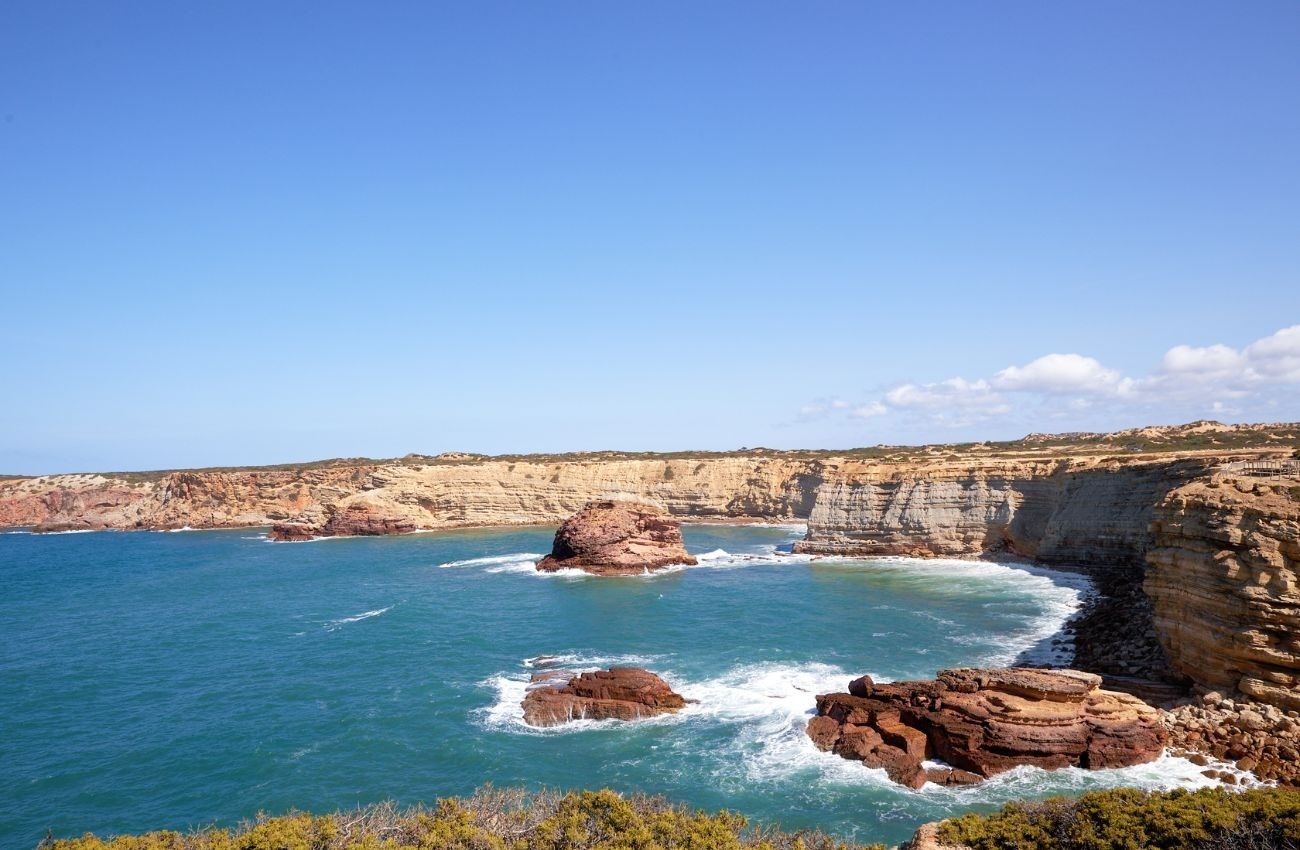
(619, 693)
(617, 538)
(986, 721)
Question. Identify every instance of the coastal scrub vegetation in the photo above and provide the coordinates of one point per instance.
(490, 819)
(1129, 819)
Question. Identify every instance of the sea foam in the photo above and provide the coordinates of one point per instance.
(335, 625)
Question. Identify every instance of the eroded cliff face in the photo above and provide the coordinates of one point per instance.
(425, 496)
(1224, 577)
(1082, 512)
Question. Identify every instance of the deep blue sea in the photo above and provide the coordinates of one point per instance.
(169, 680)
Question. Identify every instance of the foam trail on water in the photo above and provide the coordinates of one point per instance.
(494, 560)
(334, 625)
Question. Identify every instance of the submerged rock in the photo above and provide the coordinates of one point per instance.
(620, 693)
(986, 721)
(617, 538)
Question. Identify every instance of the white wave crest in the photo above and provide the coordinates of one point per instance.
(507, 712)
(1165, 773)
(1059, 594)
(334, 625)
(495, 560)
(581, 663)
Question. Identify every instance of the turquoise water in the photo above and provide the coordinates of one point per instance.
(152, 680)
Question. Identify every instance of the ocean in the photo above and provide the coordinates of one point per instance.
(174, 680)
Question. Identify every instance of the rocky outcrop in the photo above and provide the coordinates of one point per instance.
(617, 538)
(986, 721)
(356, 519)
(619, 693)
(292, 532)
(1224, 579)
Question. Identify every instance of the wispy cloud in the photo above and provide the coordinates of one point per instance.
(1217, 379)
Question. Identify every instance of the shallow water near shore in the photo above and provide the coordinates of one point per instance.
(176, 680)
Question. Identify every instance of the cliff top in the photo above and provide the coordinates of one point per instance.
(1194, 438)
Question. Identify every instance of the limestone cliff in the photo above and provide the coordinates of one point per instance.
(1224, 578)
(1084, 511)
(415, 493)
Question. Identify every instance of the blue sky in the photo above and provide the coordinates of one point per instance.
(242, 232)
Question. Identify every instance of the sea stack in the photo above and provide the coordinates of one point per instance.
(612, 537)
(986, 721)
(619, 693)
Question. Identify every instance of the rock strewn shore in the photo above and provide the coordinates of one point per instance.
(1261, 739)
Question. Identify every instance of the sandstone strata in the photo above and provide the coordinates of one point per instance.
(1224, 578)
(620, 693)
(617, 538)
(986, 721)
(1063, 511)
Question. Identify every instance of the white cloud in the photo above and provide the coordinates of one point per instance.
(1212, 359)
(1276, 358)
(1063, 374)
(1188, 378)
(866, 411)
(954, 391)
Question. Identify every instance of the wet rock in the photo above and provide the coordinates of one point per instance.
(985, 721)
(617, 538)
(621, 693)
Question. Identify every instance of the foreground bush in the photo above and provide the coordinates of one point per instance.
(492, 819)
(1127, 819)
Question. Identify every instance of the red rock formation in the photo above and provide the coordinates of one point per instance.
(986, 721)
(617, 538)
(355, 520)
(362, 519)
(621, 693)
(292, 532)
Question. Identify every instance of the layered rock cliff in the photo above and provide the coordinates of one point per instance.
(1087, 511)
(1224, 578)
(425, 495)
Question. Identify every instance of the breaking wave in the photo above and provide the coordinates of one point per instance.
(507, 561)
(335, 625)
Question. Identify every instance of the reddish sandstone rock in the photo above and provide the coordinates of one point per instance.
(292, 532)
(617, 538)
(357, 519)
(986, 721)
(621, 693)
(362, 519)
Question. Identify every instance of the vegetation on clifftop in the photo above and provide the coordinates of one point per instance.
(1128, 819)
(491, 819)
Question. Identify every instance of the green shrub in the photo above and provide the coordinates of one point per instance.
(1127, 819)
(491, 819)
